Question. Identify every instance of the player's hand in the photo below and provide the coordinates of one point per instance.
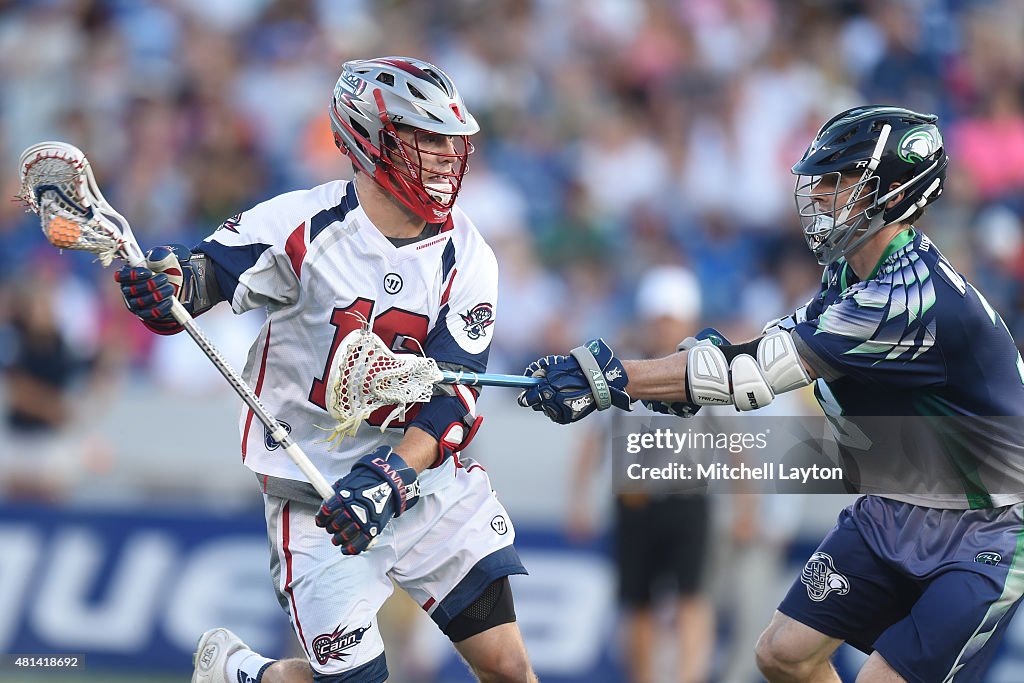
(568, 393)
(148, 290)
(682, 408)
(380, 486)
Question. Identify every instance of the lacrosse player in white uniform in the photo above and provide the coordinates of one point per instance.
(390, 248)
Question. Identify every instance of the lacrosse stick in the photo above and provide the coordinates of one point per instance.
(366, 375)
(57, 184)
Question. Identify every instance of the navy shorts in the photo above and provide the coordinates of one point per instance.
(931, 590)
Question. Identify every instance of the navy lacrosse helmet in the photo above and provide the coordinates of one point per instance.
(859, 162)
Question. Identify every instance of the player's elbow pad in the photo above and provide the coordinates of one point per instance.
(732, 375)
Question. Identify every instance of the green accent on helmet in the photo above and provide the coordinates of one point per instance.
(918, 144)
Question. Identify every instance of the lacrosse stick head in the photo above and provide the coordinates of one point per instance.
(57, 184)
(366, 375)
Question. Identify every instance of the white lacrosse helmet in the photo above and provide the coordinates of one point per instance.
(371, 97)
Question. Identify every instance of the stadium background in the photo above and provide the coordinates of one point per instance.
(618, 135)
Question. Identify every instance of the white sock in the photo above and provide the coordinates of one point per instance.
(248, 666)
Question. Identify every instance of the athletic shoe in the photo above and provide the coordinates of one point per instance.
(211, 657)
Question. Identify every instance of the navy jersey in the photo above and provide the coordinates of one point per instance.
(916, 339)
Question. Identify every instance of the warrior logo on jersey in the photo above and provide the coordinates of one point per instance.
(334, 645)
(231, 224)
(393, 283)
(268, 440)
(477, 320)
(821, 578)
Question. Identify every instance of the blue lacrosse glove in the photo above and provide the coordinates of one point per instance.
(147, 291)
(682, 408)
(380, 486)
(590, 378)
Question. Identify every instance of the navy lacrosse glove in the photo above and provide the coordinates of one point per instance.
(380, 486)
(682, 408)
(590, 378)
(147, 291)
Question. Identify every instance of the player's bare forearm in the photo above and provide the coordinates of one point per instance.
(418, 449)
(661, 379)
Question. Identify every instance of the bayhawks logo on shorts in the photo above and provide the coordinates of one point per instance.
(988, 557)
(268, 440)
(477, 320)
(333, 645)
(821, 578)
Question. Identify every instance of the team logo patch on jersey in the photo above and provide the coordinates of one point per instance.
(988, 557)
(268, 440)
(393, 283)
(334, 645)
(232, 223)
(821, 578)
(477, 320)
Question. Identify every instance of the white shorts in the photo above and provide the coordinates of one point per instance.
(443, 552)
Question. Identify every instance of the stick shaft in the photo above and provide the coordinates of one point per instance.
(488, 379)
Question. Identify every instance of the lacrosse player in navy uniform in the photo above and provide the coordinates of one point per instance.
(390, 248)
(925, 578)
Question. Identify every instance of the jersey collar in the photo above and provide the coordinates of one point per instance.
(901, 240)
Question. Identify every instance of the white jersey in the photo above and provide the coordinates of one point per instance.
(311, 258)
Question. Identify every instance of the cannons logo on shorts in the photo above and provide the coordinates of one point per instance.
(821, 578)
(335, 645)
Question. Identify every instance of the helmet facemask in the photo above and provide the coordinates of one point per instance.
(837, 216)
(422, 169)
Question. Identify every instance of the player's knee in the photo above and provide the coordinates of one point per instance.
(504, 666)
(288, 671)
(779, 662)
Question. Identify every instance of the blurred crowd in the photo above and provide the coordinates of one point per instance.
(617, 135)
